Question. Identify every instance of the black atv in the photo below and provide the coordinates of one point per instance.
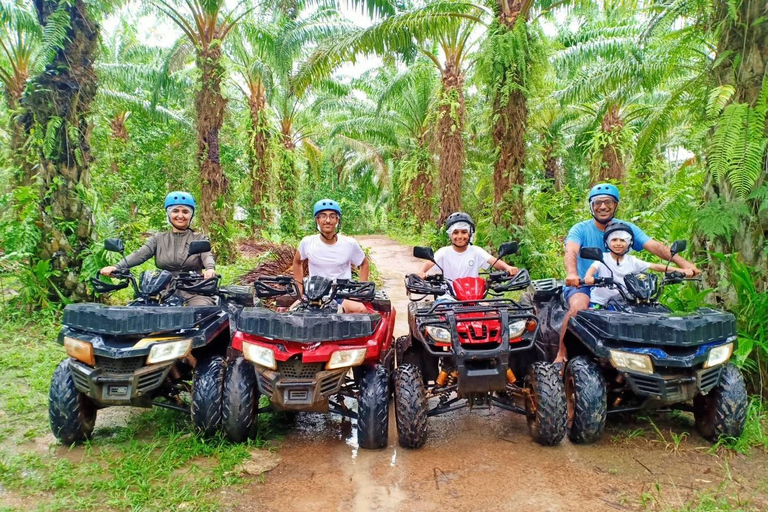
(147, 353)
(633, 353)
(473, 348)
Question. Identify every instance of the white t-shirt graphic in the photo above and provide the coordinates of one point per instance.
(331, 261)
(461, 264)
(629, 265)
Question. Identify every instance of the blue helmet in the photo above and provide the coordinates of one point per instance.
(604, 189)
(326, 204)
(180, 198)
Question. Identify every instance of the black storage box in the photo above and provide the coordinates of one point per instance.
(125, 320)
(306, 327)
(703, 326)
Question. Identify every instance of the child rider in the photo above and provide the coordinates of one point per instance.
(618, 241)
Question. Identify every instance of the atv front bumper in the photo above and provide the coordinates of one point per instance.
(134, 388)
(675, 388)
(306, 389)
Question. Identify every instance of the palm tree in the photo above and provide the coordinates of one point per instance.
(20, 38)
(206, 24)
(509, 52)
(248, 50)
(437, 29)
(399, 130)
(268, 59)
(56, 105)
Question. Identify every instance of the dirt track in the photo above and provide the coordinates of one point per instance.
(485, 460)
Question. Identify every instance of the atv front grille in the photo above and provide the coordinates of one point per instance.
(295, 369)
(125, 365)
(81, 380)
(152, 379)
(709, 378)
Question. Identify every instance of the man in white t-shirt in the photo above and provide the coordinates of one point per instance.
(618, 240)
(330, 254)
(461, 258)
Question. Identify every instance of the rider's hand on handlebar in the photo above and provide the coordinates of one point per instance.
(589, 280)
(209, 273)
(572, 280)
(422, 275)
(107, 271)
(691, 272)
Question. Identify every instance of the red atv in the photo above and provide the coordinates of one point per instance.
(467, 349)
(301, 359)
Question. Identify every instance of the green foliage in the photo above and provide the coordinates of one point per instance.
(723, 219)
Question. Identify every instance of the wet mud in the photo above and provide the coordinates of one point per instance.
(485, 460)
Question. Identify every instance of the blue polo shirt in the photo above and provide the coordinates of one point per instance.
(586, 234)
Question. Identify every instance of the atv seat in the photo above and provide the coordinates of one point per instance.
(307, 326)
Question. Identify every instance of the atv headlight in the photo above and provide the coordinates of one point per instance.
(345, 358)
(516, 329)
(630, 361)
(80, 350)
(438, 333)
(719, 355)
(262, 356)
(169, 350)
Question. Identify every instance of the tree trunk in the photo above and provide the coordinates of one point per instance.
(24, 174)
(421, 189)
(451, 113)
(57, 104)
(259, 163)
(289, 185)
(553, 171)
(611, 165)
(209, 107)
(510, 111)
(743, 45)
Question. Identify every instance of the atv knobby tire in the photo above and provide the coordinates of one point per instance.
(587, 401)
(71, 413)
(241, 401)
(373, 408)
(207, 391)
(723, 411)
(410, 406)
(545, 406)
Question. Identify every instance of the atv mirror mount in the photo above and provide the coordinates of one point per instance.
(591, 253)
(505, 249)
(508, 248)
(678, 246)
(425, 253)
(114, 245)
(197, 247)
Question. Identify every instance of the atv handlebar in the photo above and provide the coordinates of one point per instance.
(99, 286)
(434, 284)
(267, 286)
(193, 282)
(355, 290)
(500, 282)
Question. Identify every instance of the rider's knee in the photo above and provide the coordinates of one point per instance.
(578, 302)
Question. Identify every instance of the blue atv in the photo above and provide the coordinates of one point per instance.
(634, 353)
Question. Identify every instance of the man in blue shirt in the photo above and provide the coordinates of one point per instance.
(603, 202)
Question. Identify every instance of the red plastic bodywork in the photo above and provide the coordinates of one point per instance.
(476, 331)
(320, 352)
